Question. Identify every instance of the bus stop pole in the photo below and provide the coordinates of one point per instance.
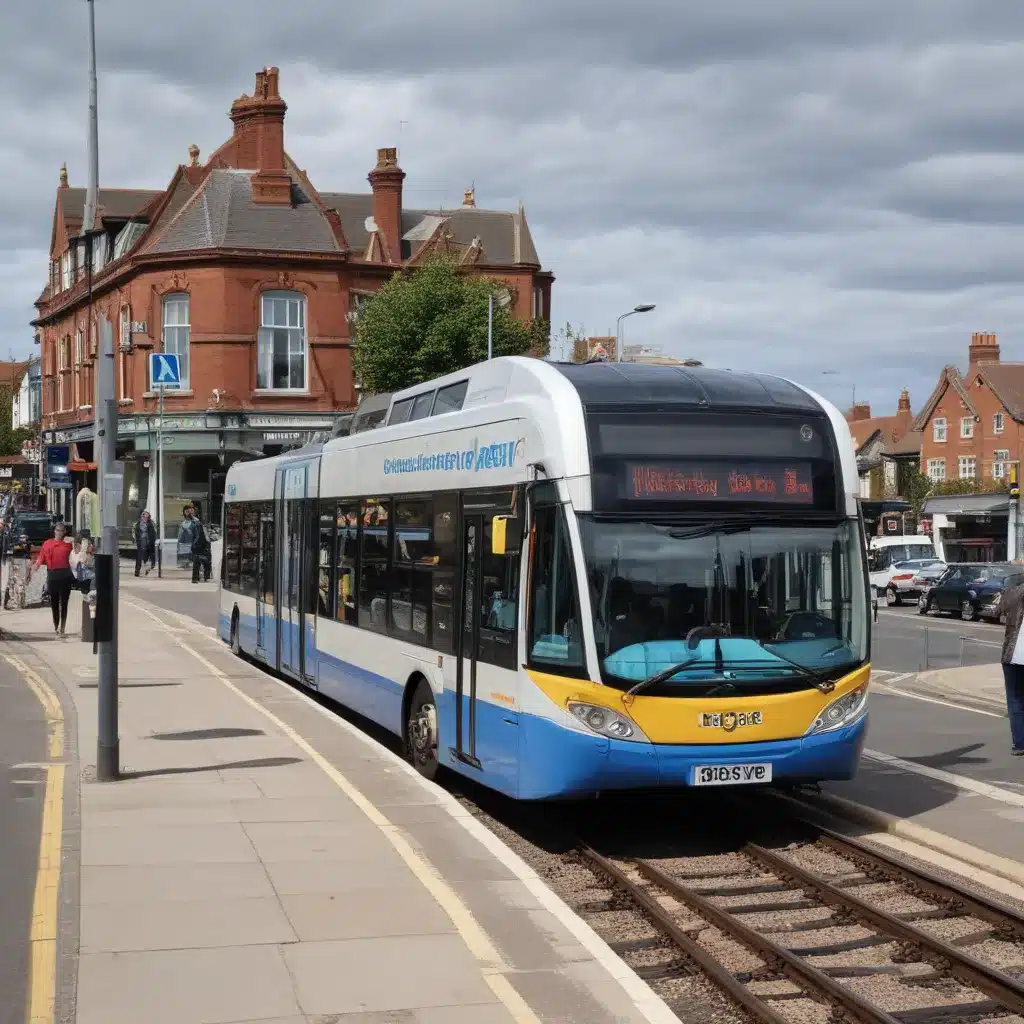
(160, 484)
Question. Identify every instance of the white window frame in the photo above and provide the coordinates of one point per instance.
(65, 271)
(124, 336)
(63, 347)
(264, 345)
(1000, 460)
(76, 368)
(176, 336)
(936, 470)
(939, 430)
(967, 426)
(965, 463)
(998, 423)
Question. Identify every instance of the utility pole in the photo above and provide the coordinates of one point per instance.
(108, 756)
(490, 325)
(160, 484)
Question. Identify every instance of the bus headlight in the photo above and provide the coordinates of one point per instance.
(844, 711)
(605, 722)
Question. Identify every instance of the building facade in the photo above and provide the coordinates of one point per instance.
(27, 401)
(254, 278)
(873, 438)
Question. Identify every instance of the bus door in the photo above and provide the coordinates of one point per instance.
(486, 683)
(293, 559)
(266, 633)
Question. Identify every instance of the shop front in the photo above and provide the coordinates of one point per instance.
(969, 527)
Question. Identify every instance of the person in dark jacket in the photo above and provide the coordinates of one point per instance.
(201, 551)
(1013, 666)
(145, 543)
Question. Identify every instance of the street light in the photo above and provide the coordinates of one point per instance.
(644, 307)
(853, 387)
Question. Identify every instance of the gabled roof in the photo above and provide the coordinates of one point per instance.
(116, 203)
(504, 237)
(950, 377)
(1006, 381)
(909, 444)
(221, 214)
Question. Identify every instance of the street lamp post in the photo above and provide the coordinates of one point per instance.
(644, 307)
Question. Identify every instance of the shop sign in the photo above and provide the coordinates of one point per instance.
(283, 436)
(6, 472)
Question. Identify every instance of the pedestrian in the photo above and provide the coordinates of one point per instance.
(186, 534)
(56, 556)
(81, 561)
(201, 551)
(1013, 665)
(144, 532)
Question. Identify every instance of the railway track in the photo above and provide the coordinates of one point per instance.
(822, 930)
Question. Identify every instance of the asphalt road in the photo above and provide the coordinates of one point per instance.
(904, 641)
(22, 742)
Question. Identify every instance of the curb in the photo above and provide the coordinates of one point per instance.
(838, 806)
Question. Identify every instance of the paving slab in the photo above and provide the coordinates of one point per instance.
(228, 878)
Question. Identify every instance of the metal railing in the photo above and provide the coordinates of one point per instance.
(945, 648)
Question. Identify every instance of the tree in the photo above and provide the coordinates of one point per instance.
(10, 439)
(434, 321)
(915, 488)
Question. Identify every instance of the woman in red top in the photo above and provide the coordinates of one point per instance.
(56, 556)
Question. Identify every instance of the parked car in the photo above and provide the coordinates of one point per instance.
(926, 578)
(906, 580)
(38, 526)
(974, 590)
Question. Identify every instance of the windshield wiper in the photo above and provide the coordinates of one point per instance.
(823, 684)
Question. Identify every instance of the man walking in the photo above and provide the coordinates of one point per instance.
(145, 543)
(201, 551)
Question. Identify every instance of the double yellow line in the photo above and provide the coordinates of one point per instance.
(42, 993)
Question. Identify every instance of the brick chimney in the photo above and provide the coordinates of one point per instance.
(386, 181)
(259, 139)
(861, 411)
(984, 349)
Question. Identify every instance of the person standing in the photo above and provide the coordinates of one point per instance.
(1013, 665)
(186, 535)
(145, 543)
(201, 551)
(82, 566)
(56, 556)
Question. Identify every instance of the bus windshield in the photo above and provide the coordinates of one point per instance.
(781, 604)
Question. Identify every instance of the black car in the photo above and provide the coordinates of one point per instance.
(38, 526)
(972, 590)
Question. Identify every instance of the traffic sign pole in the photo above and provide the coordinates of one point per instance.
(164, 373)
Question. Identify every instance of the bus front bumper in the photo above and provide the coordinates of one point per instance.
(558, 762)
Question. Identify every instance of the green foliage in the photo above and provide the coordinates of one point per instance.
(970, 486)
(915, 487)
(11, 439)
(432, 322)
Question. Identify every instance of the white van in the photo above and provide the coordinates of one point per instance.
(885, 552)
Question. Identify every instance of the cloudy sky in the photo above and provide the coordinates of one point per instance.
(829, 189)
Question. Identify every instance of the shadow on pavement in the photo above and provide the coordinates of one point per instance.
(260, 762)
(208, 734)
(952, 758)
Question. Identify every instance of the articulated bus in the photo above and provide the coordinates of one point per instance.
(566, 579)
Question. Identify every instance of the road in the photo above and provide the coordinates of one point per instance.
(904, 641)
(23, 742)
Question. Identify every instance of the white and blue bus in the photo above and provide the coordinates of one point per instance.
(566, 579)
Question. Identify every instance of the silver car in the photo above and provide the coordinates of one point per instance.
(911, 578)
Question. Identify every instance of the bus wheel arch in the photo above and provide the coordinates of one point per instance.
(236, 642)
(421, 729)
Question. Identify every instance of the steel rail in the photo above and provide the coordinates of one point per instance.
(969, 969)
(662, 920)
(946, 891)
(845, 999)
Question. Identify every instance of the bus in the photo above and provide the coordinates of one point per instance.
(561, 580)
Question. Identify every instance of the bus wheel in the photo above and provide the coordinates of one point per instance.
(421, 739)
(236, 643)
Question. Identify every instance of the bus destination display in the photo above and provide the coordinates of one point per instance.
(781, 484)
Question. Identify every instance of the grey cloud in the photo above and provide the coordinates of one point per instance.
(798, 185)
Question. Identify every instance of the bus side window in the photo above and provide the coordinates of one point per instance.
(497, 602)
(373, 564)
(348, 557)
(555, 640)
(324, 604)
(231, 568)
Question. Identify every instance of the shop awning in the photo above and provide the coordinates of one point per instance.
(80, 466)
(967, 505)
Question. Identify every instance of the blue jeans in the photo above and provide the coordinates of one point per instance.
(1013, 676)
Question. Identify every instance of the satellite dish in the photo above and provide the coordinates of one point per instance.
(370, 224)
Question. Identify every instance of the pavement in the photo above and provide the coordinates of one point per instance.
(261, 859)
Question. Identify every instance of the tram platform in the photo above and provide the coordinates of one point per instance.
(263, 860)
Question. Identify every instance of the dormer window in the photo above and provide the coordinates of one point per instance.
(127, 237)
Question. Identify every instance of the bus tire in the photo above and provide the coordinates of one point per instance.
(421, 731)
(236, 643)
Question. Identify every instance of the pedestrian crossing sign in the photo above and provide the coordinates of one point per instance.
(164, 371)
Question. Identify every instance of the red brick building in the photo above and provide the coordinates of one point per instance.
(972, 426)
(254, 277)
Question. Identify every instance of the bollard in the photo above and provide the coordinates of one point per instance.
(962, 639)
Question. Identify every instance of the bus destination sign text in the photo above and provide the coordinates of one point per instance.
(782, 484)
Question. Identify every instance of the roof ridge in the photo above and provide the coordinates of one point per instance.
(157, 237)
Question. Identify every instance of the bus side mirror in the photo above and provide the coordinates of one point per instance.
(506, 535)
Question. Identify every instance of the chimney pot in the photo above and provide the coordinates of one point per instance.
(861, 411)
(984, 348)
(64, 175)
(469, 199)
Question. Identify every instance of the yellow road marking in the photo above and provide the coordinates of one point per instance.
(489, 960)
(42, 993)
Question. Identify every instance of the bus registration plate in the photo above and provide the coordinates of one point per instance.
(731, 774)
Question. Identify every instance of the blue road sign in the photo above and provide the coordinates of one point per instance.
(164, 370)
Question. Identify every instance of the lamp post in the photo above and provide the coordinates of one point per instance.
(503, 299)
(644, 307)
(853, 387)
